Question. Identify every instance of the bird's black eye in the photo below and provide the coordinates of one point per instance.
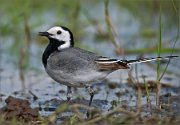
(58, 32)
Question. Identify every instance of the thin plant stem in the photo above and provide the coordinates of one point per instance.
(108, 22)
(111, 30)
(147, 90)
(158, 62)
(174, 41)
(24, 53)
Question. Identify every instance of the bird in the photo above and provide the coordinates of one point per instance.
(76, 67)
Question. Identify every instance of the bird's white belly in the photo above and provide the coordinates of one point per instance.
(90, 76)
(79, 79)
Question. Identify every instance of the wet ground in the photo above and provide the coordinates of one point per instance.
(118, 90)
(20, 109)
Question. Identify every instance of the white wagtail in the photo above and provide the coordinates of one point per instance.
(75, 67)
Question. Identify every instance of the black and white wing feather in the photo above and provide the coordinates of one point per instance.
(110, 64)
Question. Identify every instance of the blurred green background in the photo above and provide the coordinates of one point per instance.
(136, 23)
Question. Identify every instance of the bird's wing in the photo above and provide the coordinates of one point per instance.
(107, 64)
(98, 62)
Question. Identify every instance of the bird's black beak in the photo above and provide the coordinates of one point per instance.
(44, 34)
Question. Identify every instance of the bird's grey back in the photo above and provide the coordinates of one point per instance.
(72, 60)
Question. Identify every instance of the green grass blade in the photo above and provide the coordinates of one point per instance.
(147, 90)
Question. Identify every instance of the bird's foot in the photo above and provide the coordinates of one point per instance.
(69, 94)
(91, 93)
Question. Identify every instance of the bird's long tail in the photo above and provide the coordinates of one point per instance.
(104, 63)
(130, 62)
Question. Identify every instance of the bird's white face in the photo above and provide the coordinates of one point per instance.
(60, 34)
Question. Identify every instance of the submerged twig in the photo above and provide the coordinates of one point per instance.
(34, 96)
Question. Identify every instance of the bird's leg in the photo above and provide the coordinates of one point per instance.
(69, 93)
(91, 93)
